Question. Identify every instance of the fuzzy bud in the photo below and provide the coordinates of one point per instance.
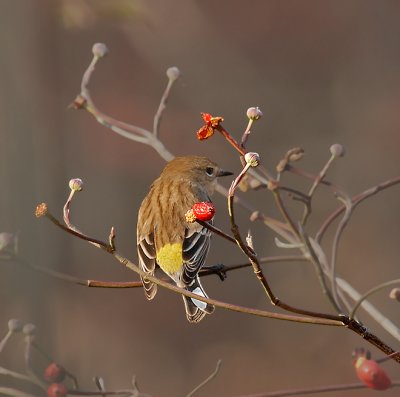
(295, 154)
(41, 210)
(99, 50)
(281, 166)
(252, 158)
(56, 390)
(395, 294)
(337, 150)
(15, 325)
(254, 113)
(255, 215)
(54, 373)
(173, 73)
(76, 184)
(29, 329)
(190, 216)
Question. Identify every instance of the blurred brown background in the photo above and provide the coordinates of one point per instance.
(321, 71)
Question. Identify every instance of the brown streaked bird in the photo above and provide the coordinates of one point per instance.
(166, 239)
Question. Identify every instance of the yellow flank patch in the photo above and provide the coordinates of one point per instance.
(169, 257)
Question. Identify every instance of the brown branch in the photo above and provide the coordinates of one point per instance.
(256, 265)
(215, 230)
(313, 390)
(306, 316)
(230, 139)
(333, 320)
(317, 181)
(356, 200)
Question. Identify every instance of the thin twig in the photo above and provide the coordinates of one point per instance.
(370, 292)
(162, 106)
(335, 246)
(207, 380)
(313, 390)
(249, 253)
(328, 320)
(246, 133)
(298, 171)
(308, 248)
(317, 181)
(9, 391)
(356, 200)
(95, 242)
(333, 320)
(5, 340)
(257, 269)
(285, 214)
(230, 139)
(215, 230)
(209, 270)
(17, 375)
(27, 354)
(127, 393)
(383, 321)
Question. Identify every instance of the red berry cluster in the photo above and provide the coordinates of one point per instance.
(55, 375)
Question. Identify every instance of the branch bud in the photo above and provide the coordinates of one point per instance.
(395, 294)
(252, 158)
(99, 50)
(15, 325)
(173, 73)
(29, 329)
(76, 184)
(254, 113)
(295, 154)
(41, 210)
(337, 150)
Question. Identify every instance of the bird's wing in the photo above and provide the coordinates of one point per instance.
(194, 252)
(147, 262)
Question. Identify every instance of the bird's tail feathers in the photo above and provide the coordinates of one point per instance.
(196, 309)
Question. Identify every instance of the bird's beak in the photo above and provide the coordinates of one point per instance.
(224, 173)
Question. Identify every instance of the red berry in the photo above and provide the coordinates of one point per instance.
(54, 373)
(56, 390)
(372, 374)
(204, 211)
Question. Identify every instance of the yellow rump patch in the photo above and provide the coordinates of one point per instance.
(169, 257)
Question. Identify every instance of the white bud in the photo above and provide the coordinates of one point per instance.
(254, 113)
(100, 50)
(173, 73)
(76, 184)
(252, 158)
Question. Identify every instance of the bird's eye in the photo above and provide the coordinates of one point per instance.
(210, 171)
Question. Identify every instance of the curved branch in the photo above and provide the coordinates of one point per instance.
(370, 292)
(356, 200)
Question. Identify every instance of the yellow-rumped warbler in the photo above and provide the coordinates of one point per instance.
(166, 239)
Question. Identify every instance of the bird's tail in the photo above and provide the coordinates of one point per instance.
(196, 309)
